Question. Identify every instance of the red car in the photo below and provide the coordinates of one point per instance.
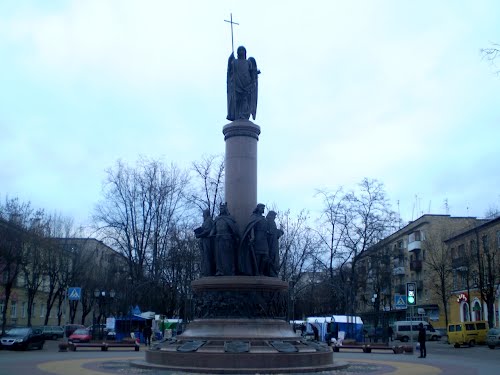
(80, 335)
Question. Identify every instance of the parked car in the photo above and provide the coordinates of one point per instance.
(98, 329)
(52, 332)
(70, 328)
(23, 338)
(80, 335)
(111, 335)
(493, 338)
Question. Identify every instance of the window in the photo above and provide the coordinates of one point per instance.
(13, 309)
(463, 280)
(417, 236)
(453, 253)
(486, 244)
(2, 306)
(458, 328)
(472, 246)
(24, 308)
(451, 328)
(481, 325)
(498, 239)
(461, 250)
(469, 327)
(42, 310)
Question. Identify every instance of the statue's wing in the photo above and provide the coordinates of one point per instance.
(255, 91)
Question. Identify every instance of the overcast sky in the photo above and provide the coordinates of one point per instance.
(392, 90)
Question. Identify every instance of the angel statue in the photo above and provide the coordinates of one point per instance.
(242, 86)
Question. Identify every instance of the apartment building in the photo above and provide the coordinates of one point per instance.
(404, 257)
(36, 268)
(475, 261)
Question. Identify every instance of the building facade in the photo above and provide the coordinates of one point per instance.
(39, 272)
(475, 275)
(406, 256)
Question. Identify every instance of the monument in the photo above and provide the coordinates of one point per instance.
(240, 305)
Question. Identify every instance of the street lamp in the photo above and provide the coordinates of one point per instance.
(376, 305)
(103, 297)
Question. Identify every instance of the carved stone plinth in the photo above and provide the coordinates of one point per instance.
(233, 297)
(224, 340)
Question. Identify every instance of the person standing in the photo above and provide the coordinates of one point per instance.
(147, 332)
(421, 340)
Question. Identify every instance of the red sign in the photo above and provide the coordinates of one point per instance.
(462, 297)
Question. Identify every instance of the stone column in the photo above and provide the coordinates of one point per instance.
(241, 137)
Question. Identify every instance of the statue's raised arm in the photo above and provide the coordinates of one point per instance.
(242, 86)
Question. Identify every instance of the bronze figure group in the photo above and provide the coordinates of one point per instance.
(224, 253)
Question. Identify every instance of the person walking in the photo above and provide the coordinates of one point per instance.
(421, 341)
(147, 332)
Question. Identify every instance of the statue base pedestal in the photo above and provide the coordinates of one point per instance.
(239, 345)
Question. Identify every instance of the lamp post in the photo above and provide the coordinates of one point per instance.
(375, 302)
(188, 305)
(103, 297)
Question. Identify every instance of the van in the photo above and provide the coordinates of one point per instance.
(406, 329)
(467, 333)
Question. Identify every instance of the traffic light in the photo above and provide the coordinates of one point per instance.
(411, 294)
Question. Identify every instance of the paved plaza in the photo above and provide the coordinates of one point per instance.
(442, 359)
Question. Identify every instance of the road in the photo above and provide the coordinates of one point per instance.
(441, 359)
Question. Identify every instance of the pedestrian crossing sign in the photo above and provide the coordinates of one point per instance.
(74, 294)
(400, 301)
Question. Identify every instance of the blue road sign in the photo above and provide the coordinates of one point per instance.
(400, 301)
(74, 293)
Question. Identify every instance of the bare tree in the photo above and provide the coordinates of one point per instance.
(331, 229)
(210, 172)
(491, 54)
(56, 260)
(141, 207)
(492, 212)
(298, 245)
(15, 218)
(331, 232)
(440, 268)
(367, 219)
(33, 268)
(488, 261)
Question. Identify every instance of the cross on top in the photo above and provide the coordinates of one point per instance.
(232, 23)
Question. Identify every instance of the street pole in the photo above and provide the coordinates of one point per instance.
(411, 327)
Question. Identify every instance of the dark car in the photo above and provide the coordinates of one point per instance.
(493, 338)
(52, 332)
(23, 338)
